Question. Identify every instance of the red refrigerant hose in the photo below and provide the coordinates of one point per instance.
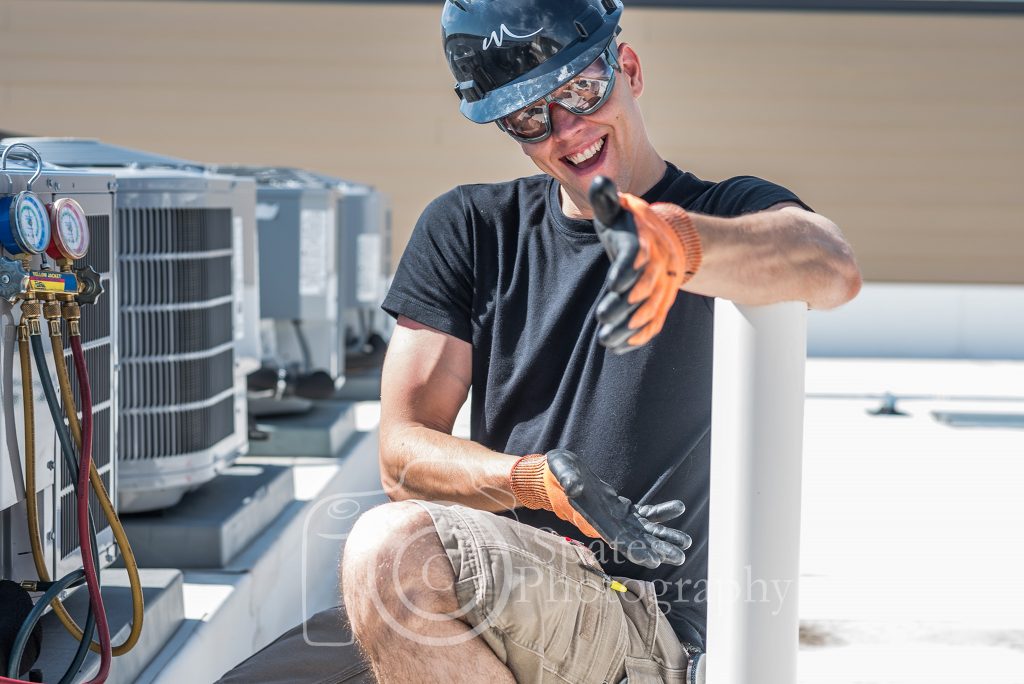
(92, 581)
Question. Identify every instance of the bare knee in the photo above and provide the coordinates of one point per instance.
(379, 533)
(393, 561)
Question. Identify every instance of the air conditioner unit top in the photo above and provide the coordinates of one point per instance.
(70, 152)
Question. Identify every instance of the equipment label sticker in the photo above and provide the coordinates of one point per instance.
(368, 268)
(42, 281)
(312, 252)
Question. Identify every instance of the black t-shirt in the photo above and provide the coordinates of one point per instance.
(500, 266)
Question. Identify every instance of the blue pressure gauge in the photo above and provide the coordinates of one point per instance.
(24, 224)
(24, 220)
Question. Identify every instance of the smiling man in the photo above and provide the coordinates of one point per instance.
(508, 289)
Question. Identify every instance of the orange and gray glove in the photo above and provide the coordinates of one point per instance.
(561, 483)
(654, 249)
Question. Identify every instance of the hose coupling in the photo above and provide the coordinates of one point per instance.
(52, 310)
(31, 313)
(72, 313)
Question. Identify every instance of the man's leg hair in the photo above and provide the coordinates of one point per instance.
(399, 589)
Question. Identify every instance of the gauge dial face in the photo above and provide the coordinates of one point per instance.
(31, 223)
(70, 229)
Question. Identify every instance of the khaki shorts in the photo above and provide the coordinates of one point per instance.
(546, 608)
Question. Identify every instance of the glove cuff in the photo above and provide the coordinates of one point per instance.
(682, 226)
(526, 479)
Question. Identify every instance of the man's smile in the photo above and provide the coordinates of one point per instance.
(587, 157)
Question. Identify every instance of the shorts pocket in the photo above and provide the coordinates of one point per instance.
(644, 671)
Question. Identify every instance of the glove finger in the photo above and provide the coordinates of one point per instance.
(643, 554)
(627, 266)
(647, 284)
(614, 308)
(647, 312)
(565, 466)
(663, 303)
(613, 336)
(625, 348)
(662, 512)
(604, 199)
(671, 554)
(671, 535)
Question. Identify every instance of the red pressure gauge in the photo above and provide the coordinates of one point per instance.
(69, 237)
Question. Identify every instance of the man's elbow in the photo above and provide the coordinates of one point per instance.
(391, 479)
(841, 283)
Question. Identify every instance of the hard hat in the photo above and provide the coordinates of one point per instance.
(506, 54)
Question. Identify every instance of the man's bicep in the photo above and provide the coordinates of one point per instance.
(426, 377)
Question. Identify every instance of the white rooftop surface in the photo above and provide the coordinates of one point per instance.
(910, 556)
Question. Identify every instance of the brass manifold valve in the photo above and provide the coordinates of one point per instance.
(50, 293)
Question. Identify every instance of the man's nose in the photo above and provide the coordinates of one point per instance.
(563, 122)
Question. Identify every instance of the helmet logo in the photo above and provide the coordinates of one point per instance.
(497, 37)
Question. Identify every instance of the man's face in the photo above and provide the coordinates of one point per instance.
(604, 143)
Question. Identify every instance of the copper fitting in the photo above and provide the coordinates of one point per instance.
(72, 313)
(31, 313)
(31, 309)
(51, 310)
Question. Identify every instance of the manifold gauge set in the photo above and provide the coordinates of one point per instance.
(28, 226)
(50, 307)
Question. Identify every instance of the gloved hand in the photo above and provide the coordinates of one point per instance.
(654, 250)
(560, 482)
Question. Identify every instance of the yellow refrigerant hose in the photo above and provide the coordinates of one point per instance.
(103, 498)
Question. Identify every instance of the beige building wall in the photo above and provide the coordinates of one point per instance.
(908, 130)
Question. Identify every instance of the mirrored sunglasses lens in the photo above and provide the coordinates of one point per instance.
(585, 95)
(586, 92)
(528, 123)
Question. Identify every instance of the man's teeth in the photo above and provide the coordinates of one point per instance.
(586, 154)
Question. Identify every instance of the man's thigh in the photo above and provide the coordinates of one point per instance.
(545, 607)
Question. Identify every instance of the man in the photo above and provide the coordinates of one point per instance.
(591, 378)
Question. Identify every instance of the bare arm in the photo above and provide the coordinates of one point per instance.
(784, 253)
(426, 379)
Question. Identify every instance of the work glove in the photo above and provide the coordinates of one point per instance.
(561, 483)
(654, 249)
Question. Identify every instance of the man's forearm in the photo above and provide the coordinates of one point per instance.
(418, 462)
(787, 254)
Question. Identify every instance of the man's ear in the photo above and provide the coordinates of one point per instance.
(629, 62)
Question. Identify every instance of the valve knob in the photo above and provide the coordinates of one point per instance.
(13, 279)
(91, 285)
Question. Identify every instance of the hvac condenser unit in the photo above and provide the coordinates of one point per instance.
(300, 285)
(364, 255)
(185, 254)
(54, 483)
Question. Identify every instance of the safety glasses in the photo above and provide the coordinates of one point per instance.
(584, 94)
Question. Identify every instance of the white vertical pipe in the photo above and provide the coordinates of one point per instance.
(756, 454)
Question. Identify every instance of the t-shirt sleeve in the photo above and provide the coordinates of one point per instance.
(433, 284)
(745, 195)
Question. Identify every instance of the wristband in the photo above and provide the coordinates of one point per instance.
(686, 232)
(526, 480)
